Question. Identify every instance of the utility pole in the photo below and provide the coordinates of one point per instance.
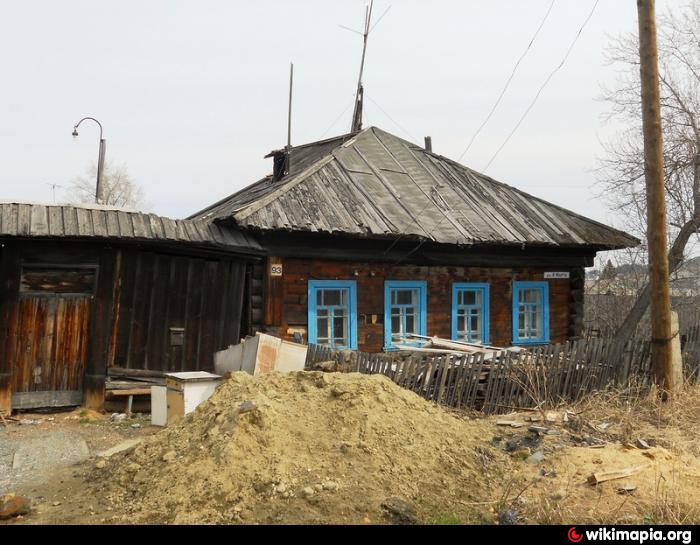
(657, 238)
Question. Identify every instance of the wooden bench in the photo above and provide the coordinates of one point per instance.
(130, 393)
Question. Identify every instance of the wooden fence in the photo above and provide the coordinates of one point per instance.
(505, 380)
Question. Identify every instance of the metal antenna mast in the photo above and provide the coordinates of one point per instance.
(53, 189)
(289, 114)
(357, 113)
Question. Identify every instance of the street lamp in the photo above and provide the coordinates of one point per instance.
(100, 157)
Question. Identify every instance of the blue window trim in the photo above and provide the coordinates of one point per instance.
(544, 286)
(420, 285)
(472, 286)
(352, 302)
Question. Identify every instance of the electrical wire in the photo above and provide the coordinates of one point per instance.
(505, 87)
(571, 46)
(539, 92)
(336, 120)
(413, 138)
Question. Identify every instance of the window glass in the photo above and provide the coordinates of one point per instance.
(332, 313)
(470, 312)
(530, 312)
(404, 312)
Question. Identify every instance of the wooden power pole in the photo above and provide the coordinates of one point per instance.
(657, 238)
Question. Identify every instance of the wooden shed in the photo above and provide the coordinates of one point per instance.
(371, 238)
(83, 289)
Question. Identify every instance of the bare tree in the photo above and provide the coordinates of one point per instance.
(621, 171)
(118, 188)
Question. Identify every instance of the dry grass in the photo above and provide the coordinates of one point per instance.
(667, 492)
(635, 413)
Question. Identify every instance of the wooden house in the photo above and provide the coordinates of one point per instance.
(370, 237)
(86, 289)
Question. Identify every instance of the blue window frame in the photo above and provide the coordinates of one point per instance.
(333, 313)
(470, 312)
(405, 311)
(530, 312)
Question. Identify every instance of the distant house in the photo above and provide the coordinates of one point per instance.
(87, 289)
(370, 238)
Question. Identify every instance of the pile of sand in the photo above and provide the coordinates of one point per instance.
(309, 447)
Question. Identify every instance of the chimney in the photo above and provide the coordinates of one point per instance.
(428, 143)
(280, 163)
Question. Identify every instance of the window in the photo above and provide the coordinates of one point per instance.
(530, 313)
(405, 310)
(52, 279)
(333, 313)
(470, 312)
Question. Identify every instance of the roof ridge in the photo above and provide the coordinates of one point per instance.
(245, 211)
(347, 135)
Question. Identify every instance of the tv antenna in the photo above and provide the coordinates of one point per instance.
(357, 112)
(53, 190)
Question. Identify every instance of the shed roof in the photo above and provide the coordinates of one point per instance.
(375, 184)
(32, 220)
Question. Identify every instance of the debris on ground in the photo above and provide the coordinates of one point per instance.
(12, 505)
(29, 422)
(626, 489)
(535, 458)
(642, 444)
(437, 345)
(601, 477)
(307, 447)
(400, 510)
(124, 446)
(346, 448)
(510, 423)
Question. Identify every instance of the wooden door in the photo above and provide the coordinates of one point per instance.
(50, 351)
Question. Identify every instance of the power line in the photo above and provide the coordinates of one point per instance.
(392, 119)
(537, 96)
(505, 87)
(422, 242)
(337, 119)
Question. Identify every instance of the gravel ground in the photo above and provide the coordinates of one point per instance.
(32, 451)
(26, 459)
(7, 452)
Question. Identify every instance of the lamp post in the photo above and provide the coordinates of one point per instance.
(100, 157)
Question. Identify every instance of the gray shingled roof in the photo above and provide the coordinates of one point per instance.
(378, 185)
(29, 220)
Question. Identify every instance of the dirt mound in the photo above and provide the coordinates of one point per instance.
(309, 447)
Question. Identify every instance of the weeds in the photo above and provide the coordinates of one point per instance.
(447, 519)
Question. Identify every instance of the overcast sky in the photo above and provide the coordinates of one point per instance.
(193, 94)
